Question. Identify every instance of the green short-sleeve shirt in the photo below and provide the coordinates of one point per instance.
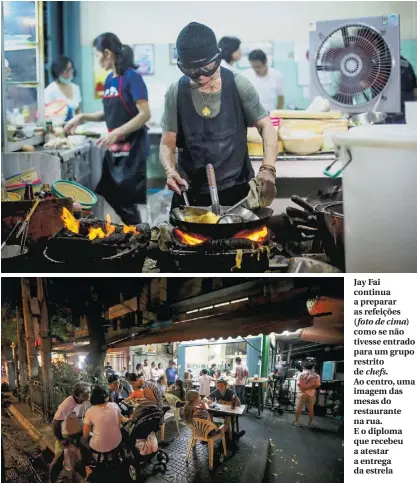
(254, 111)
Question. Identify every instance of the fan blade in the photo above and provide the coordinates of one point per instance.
(345, 36)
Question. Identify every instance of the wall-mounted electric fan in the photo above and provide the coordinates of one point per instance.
(355, 63)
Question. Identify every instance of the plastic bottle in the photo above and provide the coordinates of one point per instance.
(28, 191)
(233, 406)
(26, 115)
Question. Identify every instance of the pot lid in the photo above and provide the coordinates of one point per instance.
(384, 135)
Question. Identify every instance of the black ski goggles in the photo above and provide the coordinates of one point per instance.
(206, 70)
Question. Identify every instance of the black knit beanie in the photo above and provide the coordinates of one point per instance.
(196, 45)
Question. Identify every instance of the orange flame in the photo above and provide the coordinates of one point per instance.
(191, 239)
(70, 223)
(94, 233)
(73, 225)
(130, 229)
(109, 227)
(260, 235)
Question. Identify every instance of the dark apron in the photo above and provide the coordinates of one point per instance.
(123, 181)
(221, 141)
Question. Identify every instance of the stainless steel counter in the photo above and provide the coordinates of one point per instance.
(325, 156)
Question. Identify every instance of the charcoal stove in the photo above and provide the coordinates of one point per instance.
(98, 246)
(246, 252)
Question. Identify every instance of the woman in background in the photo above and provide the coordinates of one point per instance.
(126, 112)
(188, 381)
(177, 389)
(63, 87)
(162, 384)
(230, 51)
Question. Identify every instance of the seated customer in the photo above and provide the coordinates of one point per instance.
(137, 393)
(162, 384)
(177, 389)
(150, 390)
(114, 388)
(104, 419)
(67, 425)
(225, 395)
(194, 408)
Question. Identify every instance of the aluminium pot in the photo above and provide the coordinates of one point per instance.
(331, 226)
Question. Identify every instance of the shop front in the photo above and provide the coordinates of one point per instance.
(203, 354)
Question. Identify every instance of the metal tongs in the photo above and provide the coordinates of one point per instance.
(23, 230)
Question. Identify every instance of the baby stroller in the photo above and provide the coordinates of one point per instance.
(146, 419)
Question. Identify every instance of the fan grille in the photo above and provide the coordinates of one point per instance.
(353, 65)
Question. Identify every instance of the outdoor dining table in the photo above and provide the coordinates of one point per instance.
(225, 410)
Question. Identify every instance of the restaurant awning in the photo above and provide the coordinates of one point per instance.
(290, 315)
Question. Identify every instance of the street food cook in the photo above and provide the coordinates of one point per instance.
(206, 116)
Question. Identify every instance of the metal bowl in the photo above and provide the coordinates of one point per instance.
(367, 118)
(12, 251)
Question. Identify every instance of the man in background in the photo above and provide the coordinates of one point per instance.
(267, 81)
(204, 382)
(154, 373)
(146, 370)
(212, 370)
(241, 376)
(171, 373)
(307, 381)
(114, 388)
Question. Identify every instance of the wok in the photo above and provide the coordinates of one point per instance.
(240, 219)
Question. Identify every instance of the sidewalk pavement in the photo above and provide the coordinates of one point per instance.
(33, 424)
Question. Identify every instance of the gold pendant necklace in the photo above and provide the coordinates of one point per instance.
(206, 111)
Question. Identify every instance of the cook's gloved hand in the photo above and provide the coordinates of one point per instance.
(266, 181)
(174, 181)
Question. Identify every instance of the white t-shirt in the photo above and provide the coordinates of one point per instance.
(146, 370)
(269, 87)
(69, 408)
(204, 381)
(106, 427)
(154, 374)
(54, 93)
